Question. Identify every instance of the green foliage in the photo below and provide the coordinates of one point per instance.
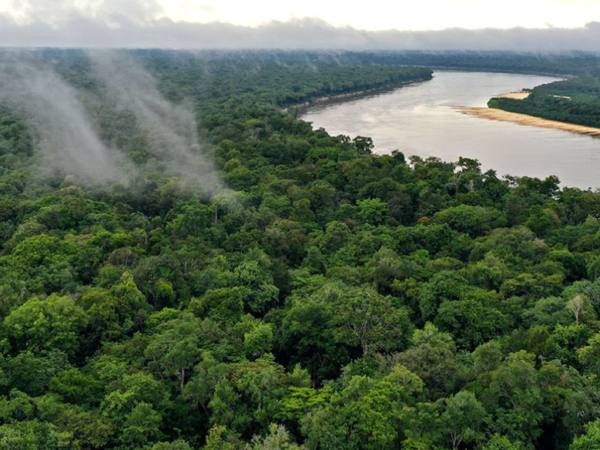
(463, 419)
(365, 414)
(55, 323)
(277, 439)
(590, 439)
(32, 435)
(369, 321)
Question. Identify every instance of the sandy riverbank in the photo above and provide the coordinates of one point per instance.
(515, 95)
(523, 119)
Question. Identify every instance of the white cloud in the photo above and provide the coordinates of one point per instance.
(194, 24)
(373, 15)
(59, 12)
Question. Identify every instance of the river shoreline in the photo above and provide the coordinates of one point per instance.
(350, 95)
(302, 107)
(523, 119)
(420, 121)
(512, 72)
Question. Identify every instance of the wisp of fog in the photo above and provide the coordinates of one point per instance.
(67, 138)
(172, 128)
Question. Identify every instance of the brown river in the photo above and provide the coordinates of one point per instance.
(420, 119)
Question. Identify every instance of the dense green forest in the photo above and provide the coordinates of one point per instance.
(566, 64)
(315, 296)
(575, 101)
(569, 64)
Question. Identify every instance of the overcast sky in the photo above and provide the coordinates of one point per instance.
(395, 14)
(395, 24)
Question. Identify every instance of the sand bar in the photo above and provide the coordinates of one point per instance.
(523, 119)
(514, 95)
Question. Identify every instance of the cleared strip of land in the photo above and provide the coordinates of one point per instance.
(523, 119)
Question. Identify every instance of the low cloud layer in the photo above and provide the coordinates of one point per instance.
(138, 24)
(67, 132)
(67, 138)
(172, 129)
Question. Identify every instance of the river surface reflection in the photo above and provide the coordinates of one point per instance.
(419, 120)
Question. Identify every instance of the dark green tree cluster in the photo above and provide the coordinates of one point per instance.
(575, 101)
(285, 79)
(575, 63)
(330, 299)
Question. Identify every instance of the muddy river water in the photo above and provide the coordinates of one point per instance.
(420, 119)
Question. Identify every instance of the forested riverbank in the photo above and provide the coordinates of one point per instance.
(340, 98)
(235, 279)
(572, 101)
